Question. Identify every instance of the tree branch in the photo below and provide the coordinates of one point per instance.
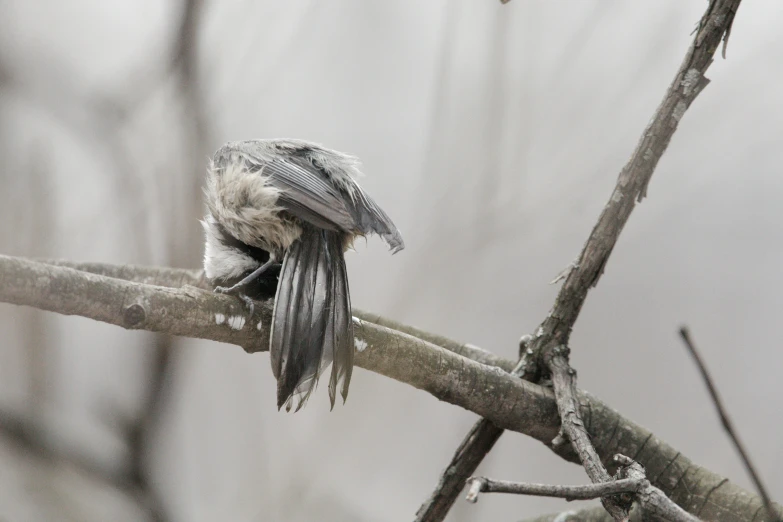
(572, 427)
(179, 277)
(631, 480)
(192, 312)
(504, 400)
(555, 330)
(634, 178)
(478, 485)
(631, 187)
(726, 421)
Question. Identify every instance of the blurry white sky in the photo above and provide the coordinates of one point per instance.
(492, 135)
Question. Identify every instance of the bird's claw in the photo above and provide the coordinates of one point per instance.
(248, 302)
(235, 291)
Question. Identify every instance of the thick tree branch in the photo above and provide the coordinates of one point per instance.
(503, 399)
(193, 312)
(179, 277)
(555, 330)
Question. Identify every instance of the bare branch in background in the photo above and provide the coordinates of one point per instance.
(555, 330)
(182, 242)
(31, 436)
(490, 392)
(99, 118)
(726, 421)
(138, 433)
(184, 235)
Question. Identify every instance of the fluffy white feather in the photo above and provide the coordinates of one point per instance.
(246, 205)
(221, 261)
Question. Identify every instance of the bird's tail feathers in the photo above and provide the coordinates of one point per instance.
(312, 325)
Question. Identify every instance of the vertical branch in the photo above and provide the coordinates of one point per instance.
(183, 244)
(140, 432)
(185, 234)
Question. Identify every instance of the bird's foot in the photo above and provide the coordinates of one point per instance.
(236, 291)
(228, 290)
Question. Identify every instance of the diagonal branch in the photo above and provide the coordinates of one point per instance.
(631, 188)
(555, 330)
(453, 372)
(726, 421)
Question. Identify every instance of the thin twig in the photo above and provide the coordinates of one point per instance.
(631, 187)
(726, 421)
(478, 485)
(631, 482)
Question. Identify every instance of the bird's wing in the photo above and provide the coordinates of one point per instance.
(307, 194)
(309, 191)
(369, 217)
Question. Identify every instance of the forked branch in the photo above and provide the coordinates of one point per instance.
(555, 330)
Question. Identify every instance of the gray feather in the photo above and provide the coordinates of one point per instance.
(306, 195)
(342, 321)
(311, 319)
(289, 291)
(370, 218)
(317, 185)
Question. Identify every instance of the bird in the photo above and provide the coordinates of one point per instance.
(281, 213)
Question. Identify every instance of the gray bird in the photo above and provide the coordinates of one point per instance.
(281, 215)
